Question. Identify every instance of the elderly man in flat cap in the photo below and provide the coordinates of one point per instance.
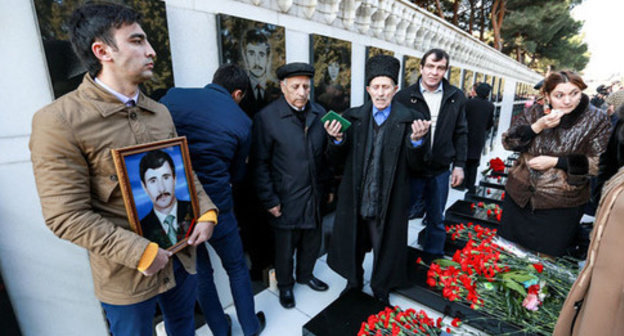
(378, 151)
(290, 172)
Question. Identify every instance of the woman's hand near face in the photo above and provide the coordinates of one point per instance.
(548, 121)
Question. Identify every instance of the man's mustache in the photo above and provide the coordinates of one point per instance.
(257, 67)
(165, 194)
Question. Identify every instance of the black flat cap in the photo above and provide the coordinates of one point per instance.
(295, 69)
(382, 65)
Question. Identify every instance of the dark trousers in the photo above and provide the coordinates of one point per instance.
(368, 237)
(230, 250)
(435, 190)
(307, 242)
(176, 304)
(417, 200)
(472, 166)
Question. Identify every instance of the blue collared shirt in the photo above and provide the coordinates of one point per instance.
(381, 115)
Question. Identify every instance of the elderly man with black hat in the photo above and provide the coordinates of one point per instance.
(290, 171)
(384, 142)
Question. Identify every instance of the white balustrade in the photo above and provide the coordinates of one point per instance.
(403, 23)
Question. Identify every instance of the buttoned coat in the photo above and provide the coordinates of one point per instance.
(398, 158)
(70, 146)
(289, 163)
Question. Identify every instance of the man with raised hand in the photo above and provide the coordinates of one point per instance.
(378, 152)
(443, 105)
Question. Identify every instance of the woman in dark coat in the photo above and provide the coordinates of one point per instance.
(549, 184)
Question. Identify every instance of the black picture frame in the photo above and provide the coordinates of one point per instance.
(411, 71)
(331, 59)
(257, 47)
(64, 67)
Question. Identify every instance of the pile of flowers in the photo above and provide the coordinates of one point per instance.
(397, 322)
(521, 289)
(492, 210)
(494, 178)
(488, 191)
(496, 165)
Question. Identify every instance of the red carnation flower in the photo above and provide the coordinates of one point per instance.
(538, 267)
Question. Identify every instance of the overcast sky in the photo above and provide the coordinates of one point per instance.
(604, 32)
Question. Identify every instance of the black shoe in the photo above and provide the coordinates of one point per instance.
(287, 298)
(316, 284)
(261, 321)
(229, 322)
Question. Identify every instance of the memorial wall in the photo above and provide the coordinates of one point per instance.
(48, 280)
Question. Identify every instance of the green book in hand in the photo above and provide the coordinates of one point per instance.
(331, 115)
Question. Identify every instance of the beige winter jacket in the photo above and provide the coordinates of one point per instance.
(81, 200)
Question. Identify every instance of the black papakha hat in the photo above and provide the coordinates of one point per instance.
(294, 69)
(483, 90)
(382, 65)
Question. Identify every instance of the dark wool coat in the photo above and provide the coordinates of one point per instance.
(450, 138)
(398, 158)
(480, 118)
(289, 163)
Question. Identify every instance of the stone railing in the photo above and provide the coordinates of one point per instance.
(403, 23)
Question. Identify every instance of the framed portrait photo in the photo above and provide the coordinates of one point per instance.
(156, 181)
(411, 70)
(331, 59)
(64, 67)
(259, 48)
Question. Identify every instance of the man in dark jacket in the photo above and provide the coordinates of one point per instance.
(480, 118)
(219, 137)
(446, 143)
(288, 163)
(377, 151)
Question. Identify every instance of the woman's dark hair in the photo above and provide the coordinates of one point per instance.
(558, 77)
(231, 77)
(94, 21)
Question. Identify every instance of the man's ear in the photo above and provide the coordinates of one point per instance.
(237, 95)
(102, 51)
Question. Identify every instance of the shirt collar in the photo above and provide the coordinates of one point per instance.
(119, 96)
(440, 88)
(255, 82)
(296, 109)
(174, 212)
(385, 112)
